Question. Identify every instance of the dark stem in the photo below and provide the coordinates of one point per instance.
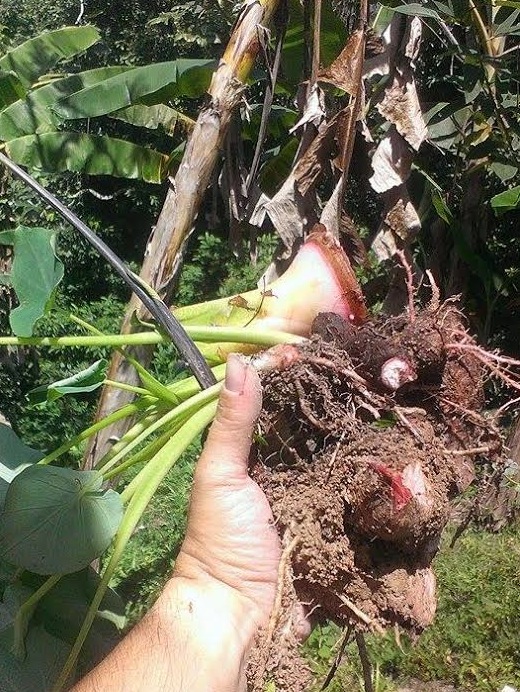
(365, 662)
(334, 667)
(156, 307)
(281, 24)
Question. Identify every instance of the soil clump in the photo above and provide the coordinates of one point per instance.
(367, 435)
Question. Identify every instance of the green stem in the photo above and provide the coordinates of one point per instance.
(150, 479)
(25, 611)
(238, 335)
(126, 387)
(153, 386)
(149, 417)
(124, 412)
(189, 406)
(145, 454)
(184, 389)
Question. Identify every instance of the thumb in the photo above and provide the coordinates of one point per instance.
(229, 440)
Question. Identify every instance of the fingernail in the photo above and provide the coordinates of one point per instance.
(236, 371)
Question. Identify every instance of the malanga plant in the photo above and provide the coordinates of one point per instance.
(372, 424)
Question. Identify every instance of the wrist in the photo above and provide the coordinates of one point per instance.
(209, 627)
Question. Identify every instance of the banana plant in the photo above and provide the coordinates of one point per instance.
(35, 105)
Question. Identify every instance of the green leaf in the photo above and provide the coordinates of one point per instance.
(11, 89)
(508, 26)
(504, 171)
(442, 209)
(506, 201)
(131, 87)
(57, 520)
(443, 8)
(417, 10)
(333, 37)
(446, 123)
(62, 611)
(85, 381)
(37, 56)
(34, 114)
(15, 456)
(277, 167)
(151, 117)
(91, 154)
(35, 273)
(39, 669)
(475, 262)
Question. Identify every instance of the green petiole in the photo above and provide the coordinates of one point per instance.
(188, 407)
(238, 335)
(150, 478)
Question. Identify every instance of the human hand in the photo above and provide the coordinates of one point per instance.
(231, 544)
(199, 633)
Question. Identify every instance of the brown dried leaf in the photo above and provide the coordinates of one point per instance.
(345, 70)
(313, 109)
(290, 213)
(391, 162)
(400, 106)
(413, 39)
(382, 63)
(399, 226)
(318, 155)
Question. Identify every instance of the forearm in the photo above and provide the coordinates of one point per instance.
(196, 638)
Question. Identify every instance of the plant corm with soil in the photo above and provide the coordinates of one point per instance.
(369, 431)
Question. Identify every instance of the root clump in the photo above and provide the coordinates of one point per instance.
(366, 437)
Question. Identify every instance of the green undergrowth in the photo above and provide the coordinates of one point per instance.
(473, 643)
(147, 563)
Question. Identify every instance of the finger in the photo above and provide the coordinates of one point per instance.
(229, 439)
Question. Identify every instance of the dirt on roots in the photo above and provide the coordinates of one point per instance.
(367, 435)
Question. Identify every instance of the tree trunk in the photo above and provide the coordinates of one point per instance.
(166, 246)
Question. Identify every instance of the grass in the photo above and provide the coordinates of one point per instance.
(473, 643)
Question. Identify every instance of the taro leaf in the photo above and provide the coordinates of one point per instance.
(132, 87)
(37, 56)
(11, 89)
(40, 667)
(34, 114)
(35, 274)
(15, 456)
(64, 607)
(85, 381)
(506, 201)
(56, 520)
(90, 154)
(13, 597)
